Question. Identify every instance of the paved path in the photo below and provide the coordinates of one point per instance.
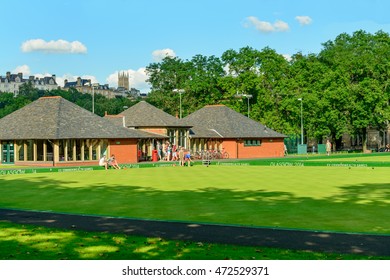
(374, 245)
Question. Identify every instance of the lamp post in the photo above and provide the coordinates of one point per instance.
(300, 99)
(93, 99)
(93, 96)
(248, 96)
(180, 92)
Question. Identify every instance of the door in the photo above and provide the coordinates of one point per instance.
(8, 154)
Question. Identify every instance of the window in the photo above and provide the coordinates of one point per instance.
(20, 149)
(30, 150)
(252, 142)
(40, 149)
(182, 138)
(171, 135)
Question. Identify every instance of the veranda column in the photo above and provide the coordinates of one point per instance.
(56, 152)
(16, 151)
(74, 152)
(44, 150)
(35, 151)
(82, 142)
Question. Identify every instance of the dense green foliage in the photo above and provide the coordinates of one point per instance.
(27, 94)
(345, 88)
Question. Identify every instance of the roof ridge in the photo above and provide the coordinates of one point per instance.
(215, 105)
(49, 97)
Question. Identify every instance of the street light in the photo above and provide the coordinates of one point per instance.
(300, 99)
(93, 97)
(248, 96)
(180, 92)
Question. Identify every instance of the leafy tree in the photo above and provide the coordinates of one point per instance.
(29, 91)
(9, 103)
(361, 63)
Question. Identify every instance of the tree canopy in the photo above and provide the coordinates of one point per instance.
(344, 88)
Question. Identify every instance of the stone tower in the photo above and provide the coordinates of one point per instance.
(123, 80)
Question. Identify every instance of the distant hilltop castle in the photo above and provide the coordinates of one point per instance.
(123, 80)
(12, 82)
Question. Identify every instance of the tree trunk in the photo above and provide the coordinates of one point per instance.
(364, 140)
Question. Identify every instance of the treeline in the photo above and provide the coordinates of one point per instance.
(344, 88)
(28, 94)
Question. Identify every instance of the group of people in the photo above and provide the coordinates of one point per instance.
(169, 152)
(110, 162)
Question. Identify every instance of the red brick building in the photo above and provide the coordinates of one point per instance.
(218, 127)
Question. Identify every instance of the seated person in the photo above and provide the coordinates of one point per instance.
(112, 162)
(103, 162)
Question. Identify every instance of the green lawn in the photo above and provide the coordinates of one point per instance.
(322, 198)
(380, 157)
(26, 242)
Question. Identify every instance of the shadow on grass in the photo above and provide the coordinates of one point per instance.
(362, 208)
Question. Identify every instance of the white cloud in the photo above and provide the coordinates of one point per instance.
(137, 79)
(159, 55)
(304, 20)
(25, 69)
(59, 46)
(265, 26)
(281, 26)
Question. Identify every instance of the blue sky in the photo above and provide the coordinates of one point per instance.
(97, 38)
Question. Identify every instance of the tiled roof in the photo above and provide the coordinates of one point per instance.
(144, 114)
(58, 118)
(219, 121)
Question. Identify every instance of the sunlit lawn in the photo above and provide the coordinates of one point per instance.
(26, 242)
(322, 198)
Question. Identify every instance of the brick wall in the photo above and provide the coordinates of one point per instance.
(162, 131)
(125, 150)
(268, 148)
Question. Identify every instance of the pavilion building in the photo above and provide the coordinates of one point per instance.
(52, 131)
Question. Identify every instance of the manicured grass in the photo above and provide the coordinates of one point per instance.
(321, 198)
(381, 157)
(22, 242)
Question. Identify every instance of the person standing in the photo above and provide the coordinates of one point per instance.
(328, 147)
(159, 150)
(181, 156)
(187, 158)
